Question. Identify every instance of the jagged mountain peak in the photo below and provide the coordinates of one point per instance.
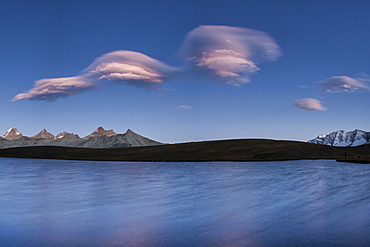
(129, 131)
(343, 138)
(61, 135)
(12, 134)
(100, 131)
(43, 134)
(138, 140)
(66, 135)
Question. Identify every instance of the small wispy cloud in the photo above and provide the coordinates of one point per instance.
(339, 84)
(184, 107)
(309, 104)
(229, 54)
(54, 88)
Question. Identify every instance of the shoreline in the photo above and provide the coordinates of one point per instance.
(165, 161)
(358, 160)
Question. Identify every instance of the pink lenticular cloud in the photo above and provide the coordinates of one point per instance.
(309, 104)
(230, 54)
(51, 89)
(118, 71)
(339, 84)
(131, 68)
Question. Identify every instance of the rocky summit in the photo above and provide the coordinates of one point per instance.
(100, 131)
(66, 135)
(100, 138)
(44, 134)
(12, 134)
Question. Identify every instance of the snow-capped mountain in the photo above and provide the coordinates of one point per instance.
(342, 138)
(100, 138)
(12, 134)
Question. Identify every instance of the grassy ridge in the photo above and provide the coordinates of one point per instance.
(224, 150)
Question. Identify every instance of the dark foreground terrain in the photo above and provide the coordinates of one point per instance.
(225, 150)
(365, 159)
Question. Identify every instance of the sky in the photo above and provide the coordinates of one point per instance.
(180, 71)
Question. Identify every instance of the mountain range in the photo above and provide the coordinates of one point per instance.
(108, 145)
(342, 138)
(99, 138)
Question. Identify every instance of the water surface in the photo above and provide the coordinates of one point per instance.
(83, 203)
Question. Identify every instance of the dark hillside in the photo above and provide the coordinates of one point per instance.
(225, 150)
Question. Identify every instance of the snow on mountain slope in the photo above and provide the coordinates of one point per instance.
(342, 138)
(66, 135)
(12, 134)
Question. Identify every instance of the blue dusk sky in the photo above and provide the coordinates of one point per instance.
(179, 71)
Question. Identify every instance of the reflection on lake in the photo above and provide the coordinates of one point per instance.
(82, 203)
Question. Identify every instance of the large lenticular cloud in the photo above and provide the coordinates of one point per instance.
(132, 68)
(229, 54)
(128, 67)
(51, 89)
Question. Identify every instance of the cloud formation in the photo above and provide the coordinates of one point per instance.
(339, 84)
(129, 67)
(229, 54)
(132, 68)
(309, 104)
(51, 89)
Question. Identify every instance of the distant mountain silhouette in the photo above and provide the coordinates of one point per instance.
(100, 138)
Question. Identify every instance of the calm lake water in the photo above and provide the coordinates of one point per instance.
(83, 203)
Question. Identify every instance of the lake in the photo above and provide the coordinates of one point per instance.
(93, 203)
